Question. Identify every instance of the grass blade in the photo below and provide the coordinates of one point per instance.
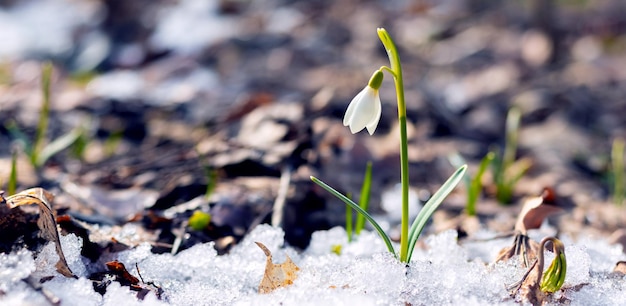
(12, 186)
(356, 207)
(42, 126)
(364, 200)
(349, 222)
(476, 184)
(57, 146)
(430, 207)
(617, 163)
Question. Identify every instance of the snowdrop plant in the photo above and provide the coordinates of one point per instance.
(364, 111)
(554, 277)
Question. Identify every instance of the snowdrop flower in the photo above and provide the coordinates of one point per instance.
(364, 110)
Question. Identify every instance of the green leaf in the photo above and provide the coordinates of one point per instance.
(430, 207)
(364, 200)
(57, 146)
(349, 222)
(12, 187)
(617, 167)
(42, 125)
(356, 207)
(476, 184)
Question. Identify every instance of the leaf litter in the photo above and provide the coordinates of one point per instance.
(46, 222)
(277, 275)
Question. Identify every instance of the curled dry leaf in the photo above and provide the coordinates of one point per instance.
(523, 246)
(534, 211)
(118, 272)
(46, 222)
(277, 275)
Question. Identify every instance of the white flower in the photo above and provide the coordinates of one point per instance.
(364, 111)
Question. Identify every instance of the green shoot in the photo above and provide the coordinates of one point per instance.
(212, 176)
(37, 150)
(476, 184)
(617, 167)
(363, 203)
(57, 146)
(359, 210)
(42, 126)
(365, 198)
(507, 170)
(473, 184)
(349, 223)
(12, 187)
(553, 278)
(431, 205)
(422, 218)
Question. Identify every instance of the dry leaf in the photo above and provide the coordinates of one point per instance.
(277, 275)
(620, 267)
(535, 210)
(523, 246)
(529, 289)
(126, 279)
(47, 223)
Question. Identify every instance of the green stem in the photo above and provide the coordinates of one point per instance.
(42, 126)
(394, 60)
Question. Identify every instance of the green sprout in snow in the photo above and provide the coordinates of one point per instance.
(38, 150)
(364, 200)
(364, 112)
(507, 170)
(617, 171)
(474, 184)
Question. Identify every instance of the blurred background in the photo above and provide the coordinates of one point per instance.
(175, 100)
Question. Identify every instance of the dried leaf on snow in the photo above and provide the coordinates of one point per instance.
(277, 275)
(118, 272)
(46, 222)
(536, 209)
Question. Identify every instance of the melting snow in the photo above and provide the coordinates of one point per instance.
(443, 273)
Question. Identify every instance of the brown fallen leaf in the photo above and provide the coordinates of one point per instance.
(523, 246)
(277, 275)
(46, 222)
(124, 277)
(534, 211)
(118, 271)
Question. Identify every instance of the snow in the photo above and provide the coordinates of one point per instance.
(444, 272)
